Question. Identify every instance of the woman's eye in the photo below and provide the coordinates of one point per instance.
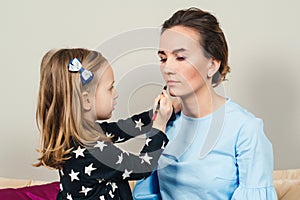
(180, 58)
(163, 60)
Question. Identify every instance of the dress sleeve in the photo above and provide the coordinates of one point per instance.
(125, 129)
(254, 157)
(112, 163)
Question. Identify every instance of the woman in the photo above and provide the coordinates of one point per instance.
(217, 149)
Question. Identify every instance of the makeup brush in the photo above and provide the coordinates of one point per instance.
(157, 107)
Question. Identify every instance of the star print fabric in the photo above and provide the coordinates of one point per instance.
(103, 170)
(123, 130)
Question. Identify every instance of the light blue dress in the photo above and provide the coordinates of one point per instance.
(222, 156)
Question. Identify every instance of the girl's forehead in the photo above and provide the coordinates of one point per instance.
(105, 74)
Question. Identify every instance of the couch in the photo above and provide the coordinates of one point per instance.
(286, 182)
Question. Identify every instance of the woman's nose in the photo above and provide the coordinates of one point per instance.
(168, 67)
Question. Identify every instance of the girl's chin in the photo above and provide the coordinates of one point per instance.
(105, 117)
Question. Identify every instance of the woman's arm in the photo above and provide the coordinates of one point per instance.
(254, 159)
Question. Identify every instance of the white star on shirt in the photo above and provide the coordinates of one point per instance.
(69, 197)
(79, 152)
(146, 159)
(139, 124)
(100, 180)
(61, 187)
(111, 194)
(109, 135)
(163, 145)
(89, 169)
(119, 139)
(120, 159)
(101, 197)
(101, 145)
(126, 174)
(74, 175)
(61, 172)
(147, 141)
(85, 190)
(113, 186)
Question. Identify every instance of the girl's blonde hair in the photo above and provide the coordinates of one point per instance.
(59, 112)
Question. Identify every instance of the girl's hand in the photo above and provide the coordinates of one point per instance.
(176, 103)
(164, 112)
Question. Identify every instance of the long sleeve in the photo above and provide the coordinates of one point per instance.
(108, 162)
(254, 157)
(115, 164)
(125, 129)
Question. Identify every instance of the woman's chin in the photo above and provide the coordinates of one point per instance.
(172, 93)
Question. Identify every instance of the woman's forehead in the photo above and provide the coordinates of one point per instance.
(179, 37)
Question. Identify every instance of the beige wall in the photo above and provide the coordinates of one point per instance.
(264, 44)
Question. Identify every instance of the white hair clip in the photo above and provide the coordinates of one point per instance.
(76, 66)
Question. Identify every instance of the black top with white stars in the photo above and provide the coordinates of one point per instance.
(102, 171)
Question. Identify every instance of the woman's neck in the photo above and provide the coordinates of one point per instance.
(201, 103)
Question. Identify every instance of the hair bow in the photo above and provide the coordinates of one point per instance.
(76, 66)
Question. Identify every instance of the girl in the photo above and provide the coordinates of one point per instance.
(76, 89)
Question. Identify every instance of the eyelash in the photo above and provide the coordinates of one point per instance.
(179, 58)
(162, 60)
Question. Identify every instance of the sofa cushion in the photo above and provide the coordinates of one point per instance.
(287, 184)
(37, 192)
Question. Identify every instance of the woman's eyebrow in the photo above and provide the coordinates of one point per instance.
(178, 50)
(174, 51)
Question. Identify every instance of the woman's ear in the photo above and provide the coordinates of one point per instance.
(86, 101)
(213, 68)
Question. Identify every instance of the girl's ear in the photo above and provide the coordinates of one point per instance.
(213, 68)
(86, 101)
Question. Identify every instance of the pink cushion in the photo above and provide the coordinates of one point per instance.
(37, 192)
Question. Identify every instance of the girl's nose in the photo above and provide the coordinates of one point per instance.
(115, 95)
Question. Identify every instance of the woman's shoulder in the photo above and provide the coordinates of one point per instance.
(237, 111)
(239, 117)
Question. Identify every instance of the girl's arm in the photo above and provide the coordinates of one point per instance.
(138, 124)
(125, 129)
(112, 163)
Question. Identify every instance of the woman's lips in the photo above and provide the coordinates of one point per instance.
(172, 82)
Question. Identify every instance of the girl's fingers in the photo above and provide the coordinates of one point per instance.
(156, 100)
(166, 98)
(164, 92)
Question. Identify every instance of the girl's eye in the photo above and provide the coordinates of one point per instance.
(180, 58)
